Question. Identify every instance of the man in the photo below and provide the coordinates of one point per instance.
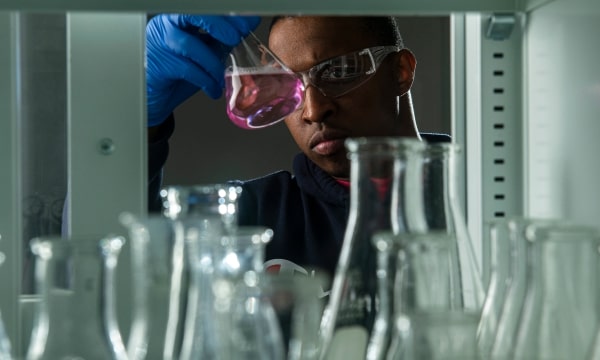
(308, 209)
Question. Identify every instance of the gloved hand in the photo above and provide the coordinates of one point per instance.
(186, 53)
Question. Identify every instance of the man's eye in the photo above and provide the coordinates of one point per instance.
(333, 73)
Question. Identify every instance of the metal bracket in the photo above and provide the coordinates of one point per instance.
(500, 26)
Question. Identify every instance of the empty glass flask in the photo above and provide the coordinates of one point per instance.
(159, 281)
(508, 284)
(232, 318)
(560, 312)
(500, 278)
(425, 319)
(504, 336)
(160, 265)
(423, 198)
(444, 213)
(76, 317)
(385, 194)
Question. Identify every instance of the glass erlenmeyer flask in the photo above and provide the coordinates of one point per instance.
(500, 277)
(161, 269)
(157, 248)
(259, 89)
(508, 323)
(425, 320)
(233, 320)
(444, 213)
(560, 314)
(76, 317)
(385, 194)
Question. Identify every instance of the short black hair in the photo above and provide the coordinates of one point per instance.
(385, 28)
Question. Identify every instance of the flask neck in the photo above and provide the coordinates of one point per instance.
(386, 189)
(440, 191)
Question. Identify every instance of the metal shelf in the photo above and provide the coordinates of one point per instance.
(408, 7)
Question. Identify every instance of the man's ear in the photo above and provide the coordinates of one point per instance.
(405, 64)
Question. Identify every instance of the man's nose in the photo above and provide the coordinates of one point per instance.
(317, 107)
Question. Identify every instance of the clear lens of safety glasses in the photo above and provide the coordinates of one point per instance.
(340, 75)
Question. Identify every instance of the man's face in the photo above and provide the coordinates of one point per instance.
(323, 123)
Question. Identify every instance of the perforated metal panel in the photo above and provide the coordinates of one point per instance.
(493, 129)
(501, 123)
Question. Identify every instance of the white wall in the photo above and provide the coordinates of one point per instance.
(563, 112)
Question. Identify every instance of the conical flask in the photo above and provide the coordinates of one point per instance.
(385, 192)
(444, 213)
(498, 327)
(158, 296)
(233, 319)
(76, 317)
(560, 313)
(259, 89)
(500, 277)
(160, 266)
(426, 321)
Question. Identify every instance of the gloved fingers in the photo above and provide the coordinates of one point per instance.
(227, 29)
(245, 24)
(201, 54)
(200, 78)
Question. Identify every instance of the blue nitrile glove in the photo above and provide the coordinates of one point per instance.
(186, 53)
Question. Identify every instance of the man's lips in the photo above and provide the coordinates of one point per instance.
(327, 143)
(329, 147)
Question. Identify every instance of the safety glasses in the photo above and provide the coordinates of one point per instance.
(342, 74)
(261, 90)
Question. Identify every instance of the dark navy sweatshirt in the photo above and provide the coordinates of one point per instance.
(307, 209)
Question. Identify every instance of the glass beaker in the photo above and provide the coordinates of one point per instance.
(560, 313)
(232, 319)
(259, 89)
(76, 317)
(444, 213)
(385, 194)
(426, 321)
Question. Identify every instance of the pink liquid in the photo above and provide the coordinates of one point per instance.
(257, 98)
